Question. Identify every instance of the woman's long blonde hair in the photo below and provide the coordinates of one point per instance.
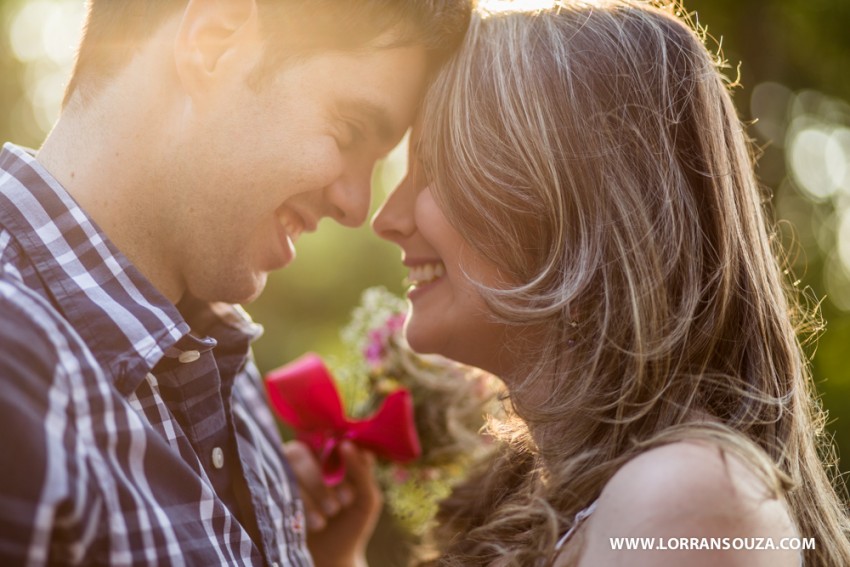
(592, 151)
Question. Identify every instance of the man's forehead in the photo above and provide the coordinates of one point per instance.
(383, 88)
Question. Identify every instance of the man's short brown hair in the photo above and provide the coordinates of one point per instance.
(115, 28)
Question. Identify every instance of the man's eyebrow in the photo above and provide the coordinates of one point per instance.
(376, 115)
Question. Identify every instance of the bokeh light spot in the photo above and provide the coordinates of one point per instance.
(25, 32)
(43, 34)
(844, 241)
(837, 159)
(807, 152)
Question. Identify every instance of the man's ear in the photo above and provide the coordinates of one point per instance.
(214, 36)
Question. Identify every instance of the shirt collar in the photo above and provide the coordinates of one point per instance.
(127, 323)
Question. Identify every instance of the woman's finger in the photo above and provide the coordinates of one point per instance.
(308, 473)
(316, 520)
(360, 465)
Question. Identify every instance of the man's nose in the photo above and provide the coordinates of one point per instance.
(349, 199)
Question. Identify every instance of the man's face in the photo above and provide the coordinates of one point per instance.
(260, 166)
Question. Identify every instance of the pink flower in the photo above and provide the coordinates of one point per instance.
(430, 473)
(376, 347)
(396, 322)
(400, 474)
(374, 354)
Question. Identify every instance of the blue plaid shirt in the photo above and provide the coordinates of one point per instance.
(126, 439)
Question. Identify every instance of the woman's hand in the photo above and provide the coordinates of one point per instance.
(341, 519)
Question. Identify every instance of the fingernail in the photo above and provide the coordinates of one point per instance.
(331, 507)
(346, 497)
(315, 521)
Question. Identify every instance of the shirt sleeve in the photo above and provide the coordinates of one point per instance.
(34, 477)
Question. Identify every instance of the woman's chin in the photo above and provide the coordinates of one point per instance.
(423, 337)
(430, 340)
(471, 341)
(420, 339)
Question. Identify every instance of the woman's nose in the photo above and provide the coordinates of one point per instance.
(395, 219)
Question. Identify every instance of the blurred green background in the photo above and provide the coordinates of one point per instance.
(794, 62)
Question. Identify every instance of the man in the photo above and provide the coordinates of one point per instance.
(198, 140)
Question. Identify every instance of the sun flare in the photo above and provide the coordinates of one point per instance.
(501, 6)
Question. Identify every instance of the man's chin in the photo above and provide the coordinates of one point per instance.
(236, 289)
(253, 290)
(250, 298)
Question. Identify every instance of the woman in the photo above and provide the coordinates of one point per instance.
(581, 218)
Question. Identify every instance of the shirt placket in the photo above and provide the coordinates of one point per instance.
(192, 388)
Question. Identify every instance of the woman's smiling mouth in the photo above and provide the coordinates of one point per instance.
(425, 273)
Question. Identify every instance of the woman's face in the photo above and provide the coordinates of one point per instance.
(447, 315)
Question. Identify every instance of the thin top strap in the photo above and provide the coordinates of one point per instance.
(580, 517)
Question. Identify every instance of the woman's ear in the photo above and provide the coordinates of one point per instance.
(214, 38)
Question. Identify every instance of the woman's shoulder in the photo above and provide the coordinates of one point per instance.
(694, 475)
(688, 494)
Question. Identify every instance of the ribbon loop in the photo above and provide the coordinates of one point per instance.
(304, 396)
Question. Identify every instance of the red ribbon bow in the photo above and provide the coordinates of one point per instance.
(305, 397)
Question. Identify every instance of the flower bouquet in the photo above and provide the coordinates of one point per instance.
(451, 403)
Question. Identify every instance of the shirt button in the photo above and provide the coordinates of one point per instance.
(218, 457)
(189, 356)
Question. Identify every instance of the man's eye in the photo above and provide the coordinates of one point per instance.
(350, 135)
